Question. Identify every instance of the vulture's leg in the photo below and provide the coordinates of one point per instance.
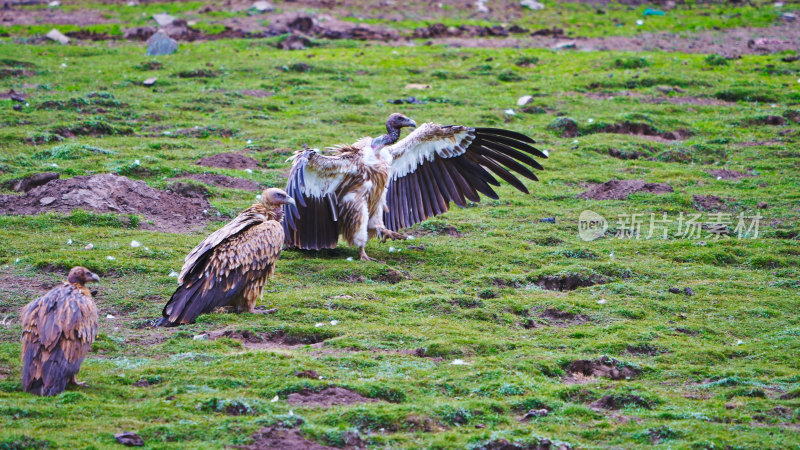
(364, 256)
(75, 381)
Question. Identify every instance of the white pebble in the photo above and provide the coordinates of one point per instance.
(392, 250)
(248, 170)
(89, 246)
(109, 317)
(16, 260)
(719, 178)
(575, 141)
(611, 255)
(173, 274)
(410, 238)
(319, 324)
(739, 342)
(69, 241)
(110, 258)
(135, 244)
(200, 337)
(63, 64)
(258, 197)
(459, 362)
(249, 141)
(136, 162)
(640, 22)
(334, 322)
(510, 112)
(54, 165)
(349, 258)
(274, 399)
(602, 301)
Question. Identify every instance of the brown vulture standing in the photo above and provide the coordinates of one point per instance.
(57, 332)
(380, 186)
(231, 266)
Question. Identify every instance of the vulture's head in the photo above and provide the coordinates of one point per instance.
(81, 275)
(275, 196)
(398, 121)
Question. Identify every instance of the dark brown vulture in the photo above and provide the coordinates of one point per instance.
(231, 266)
(380, 186)
(57, 332)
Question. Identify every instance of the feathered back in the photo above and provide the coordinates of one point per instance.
(58, 330)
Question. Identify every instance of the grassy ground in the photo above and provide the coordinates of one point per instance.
(719, 368)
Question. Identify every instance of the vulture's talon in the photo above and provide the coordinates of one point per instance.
(74, 381)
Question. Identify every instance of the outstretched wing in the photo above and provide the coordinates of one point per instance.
(437, 164)
(236, 270)
(311, 223)
(57, 332)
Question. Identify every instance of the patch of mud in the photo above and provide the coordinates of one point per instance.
(563, 318)
(569, 282)
(645, 349)
(327, 397)
(25, 184)
(258, 93)
(727, 174)
(621, 189)
(54, 16)
(274, 340)
(229, 161)
(619, 401)
(639, 129)
(709, 203)
(277, 438)
(109, 193)
(222, 181)
(12, 285)
(603, 367)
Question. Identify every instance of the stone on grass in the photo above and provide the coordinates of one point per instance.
(161, 44)
(531, 4)
(55, 35)
(263, 6)
(163, 19)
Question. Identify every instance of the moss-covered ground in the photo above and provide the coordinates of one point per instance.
(719, 369)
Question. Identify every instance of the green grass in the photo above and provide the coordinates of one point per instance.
(466, 297)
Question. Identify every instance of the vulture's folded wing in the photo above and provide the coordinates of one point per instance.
(237, 268)
(197, 257)
(58, 330)
(437, 164)
(311, 223)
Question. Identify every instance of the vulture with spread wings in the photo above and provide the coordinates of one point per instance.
(230, 267)
(380, 186)
(58, 330)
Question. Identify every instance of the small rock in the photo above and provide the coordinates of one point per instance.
(130, 439)
(200, 337)
(89, 246)
(263, 6)
(109, 317)
(730, 406)
(135, 244)
(524, 100)
(564, 45)
(480, 6)
(163, 19)
(417, 86)
(161, 44)
(480, 426)
(532, 414)
(640, 22)
(54, 4)
(459, 362)
(531, 4)
(44, 201)
(510, 112)
(57, 36)
(688, 291)
(762, 205)
(789, 17)
(307, 374)
(173, 274)
(675, 290)
(150, 81)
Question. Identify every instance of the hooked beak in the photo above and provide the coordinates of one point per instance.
(411, 123)
(93, 277)
(290, 200)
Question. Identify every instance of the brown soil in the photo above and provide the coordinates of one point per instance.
(327, 397)
(222, 181)
(276, 438)
(620, 401)
(709, 203)
(257, 93)
(537, 444)
(621, 189)
(563, 318)
(229, 161)
(108, 193)
(53, 16)
(642, 129)
(25, 184)
(11, 285)
(391, 276)
(313, 374)
(698, 101)
(602, 367)
(13, 95)
(727, 174)
(274, 340)
(569, 282)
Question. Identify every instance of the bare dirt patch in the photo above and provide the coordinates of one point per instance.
(222, 181)
(272, 340)
(229, 161)
(697, 101)
(81, 17)
(727, 174)
(29, 182)
(12, 285)
(603, 367)
(258, 93)
(709, 203)
(109, 193)
(620, 401)
(569, 282)
(621, 189)
(327, 397)
(640, 129)
(277, 438)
